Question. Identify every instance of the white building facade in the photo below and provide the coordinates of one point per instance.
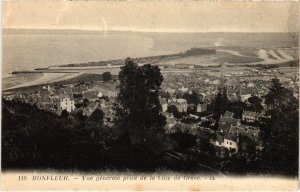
(67, 104)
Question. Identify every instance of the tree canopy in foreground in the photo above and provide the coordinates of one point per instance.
(138, 108)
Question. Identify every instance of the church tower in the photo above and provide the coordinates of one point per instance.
(222, 80)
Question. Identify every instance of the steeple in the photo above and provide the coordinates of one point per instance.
(222, 77)
(222, 71)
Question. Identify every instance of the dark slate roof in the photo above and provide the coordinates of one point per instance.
(250, 113)
(220, 137)
(231, 137)
(226, 122)
(246, 130)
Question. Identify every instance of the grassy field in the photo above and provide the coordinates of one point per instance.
(84, 78)
(246, 51)
(230, 58)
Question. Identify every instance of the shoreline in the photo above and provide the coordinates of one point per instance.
(198, 58)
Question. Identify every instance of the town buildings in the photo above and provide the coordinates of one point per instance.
(181, 104)
(67, 104)
(201, 107)
(250, 116)
(232, 132)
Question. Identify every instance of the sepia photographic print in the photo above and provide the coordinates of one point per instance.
(150, 95)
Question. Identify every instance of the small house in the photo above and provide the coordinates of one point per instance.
(67, 104)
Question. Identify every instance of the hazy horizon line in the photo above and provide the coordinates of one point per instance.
(142, 31)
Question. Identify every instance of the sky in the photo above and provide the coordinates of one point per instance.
(188, 16)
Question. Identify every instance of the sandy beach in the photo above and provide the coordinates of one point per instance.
(45, 78)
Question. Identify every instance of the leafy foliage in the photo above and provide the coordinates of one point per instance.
(173, 110)
(33, 138)
(106, 76)
(255, 104)
(281, 131)
(192, 98)
(139, 109)
(139, 120)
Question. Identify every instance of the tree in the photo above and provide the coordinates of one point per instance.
(107, 76)
(85, 102)
(80, 118)
(280, 131)
(184, 140)
(282, 107)
(25, 144)
(64, 114)
(139, 123)
(278, 96)
(173, 109)
(255, 104)
(138, 109)
(237, 107)
(97, 117)
(192, 98)
(165, 95)
(254, 99)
